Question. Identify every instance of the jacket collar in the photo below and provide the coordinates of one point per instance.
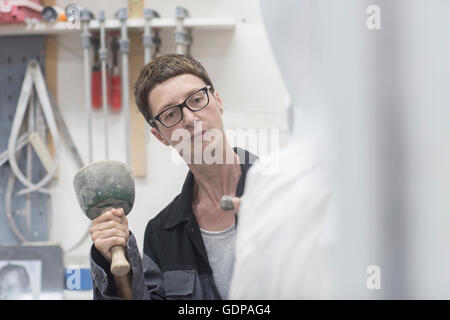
(182, 206)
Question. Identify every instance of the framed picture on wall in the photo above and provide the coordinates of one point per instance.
(31, 272)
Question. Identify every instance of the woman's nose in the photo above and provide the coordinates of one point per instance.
(189, 117)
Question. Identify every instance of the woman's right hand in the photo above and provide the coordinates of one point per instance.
(108, 230)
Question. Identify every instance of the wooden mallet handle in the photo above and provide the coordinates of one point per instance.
(119, 264)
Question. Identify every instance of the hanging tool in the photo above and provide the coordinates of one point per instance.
(28, 105)
(85, 18)
(33, 76)
(103, 54)
(36, 129)
(148, 41)
(122, 15)
(115, 97)
(183, 38)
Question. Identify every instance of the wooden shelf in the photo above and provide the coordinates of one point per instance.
(132, 24)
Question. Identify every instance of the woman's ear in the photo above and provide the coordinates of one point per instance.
(218, 101)
(159, 136)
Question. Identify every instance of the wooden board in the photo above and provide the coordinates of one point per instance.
(135, 9)
(51, 65)
(138, 146)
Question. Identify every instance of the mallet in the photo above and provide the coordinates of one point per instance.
(101, 186)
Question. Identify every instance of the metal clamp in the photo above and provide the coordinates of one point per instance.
(86, 41)
(85, 18)
(124, 42)
(147, 39)
(103, 56)
(150, 41)
(124, 47)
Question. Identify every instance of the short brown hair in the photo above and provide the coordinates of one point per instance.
(161, 69)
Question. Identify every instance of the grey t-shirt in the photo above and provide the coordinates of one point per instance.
(220, 249)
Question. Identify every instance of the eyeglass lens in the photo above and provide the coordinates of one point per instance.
(195, 102)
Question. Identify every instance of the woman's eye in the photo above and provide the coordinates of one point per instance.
(169, 115)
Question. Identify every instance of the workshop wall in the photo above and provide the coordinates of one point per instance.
(242, 68)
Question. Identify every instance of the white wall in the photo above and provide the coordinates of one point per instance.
(243, 71)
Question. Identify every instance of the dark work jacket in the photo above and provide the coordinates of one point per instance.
(175, 263)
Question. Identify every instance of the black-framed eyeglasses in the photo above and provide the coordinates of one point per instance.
(173, 115)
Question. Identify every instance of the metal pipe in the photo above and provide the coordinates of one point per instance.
(122, 15)
(103, 55)
(86, 42)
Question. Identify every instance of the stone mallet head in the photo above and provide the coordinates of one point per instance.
(101, 186)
